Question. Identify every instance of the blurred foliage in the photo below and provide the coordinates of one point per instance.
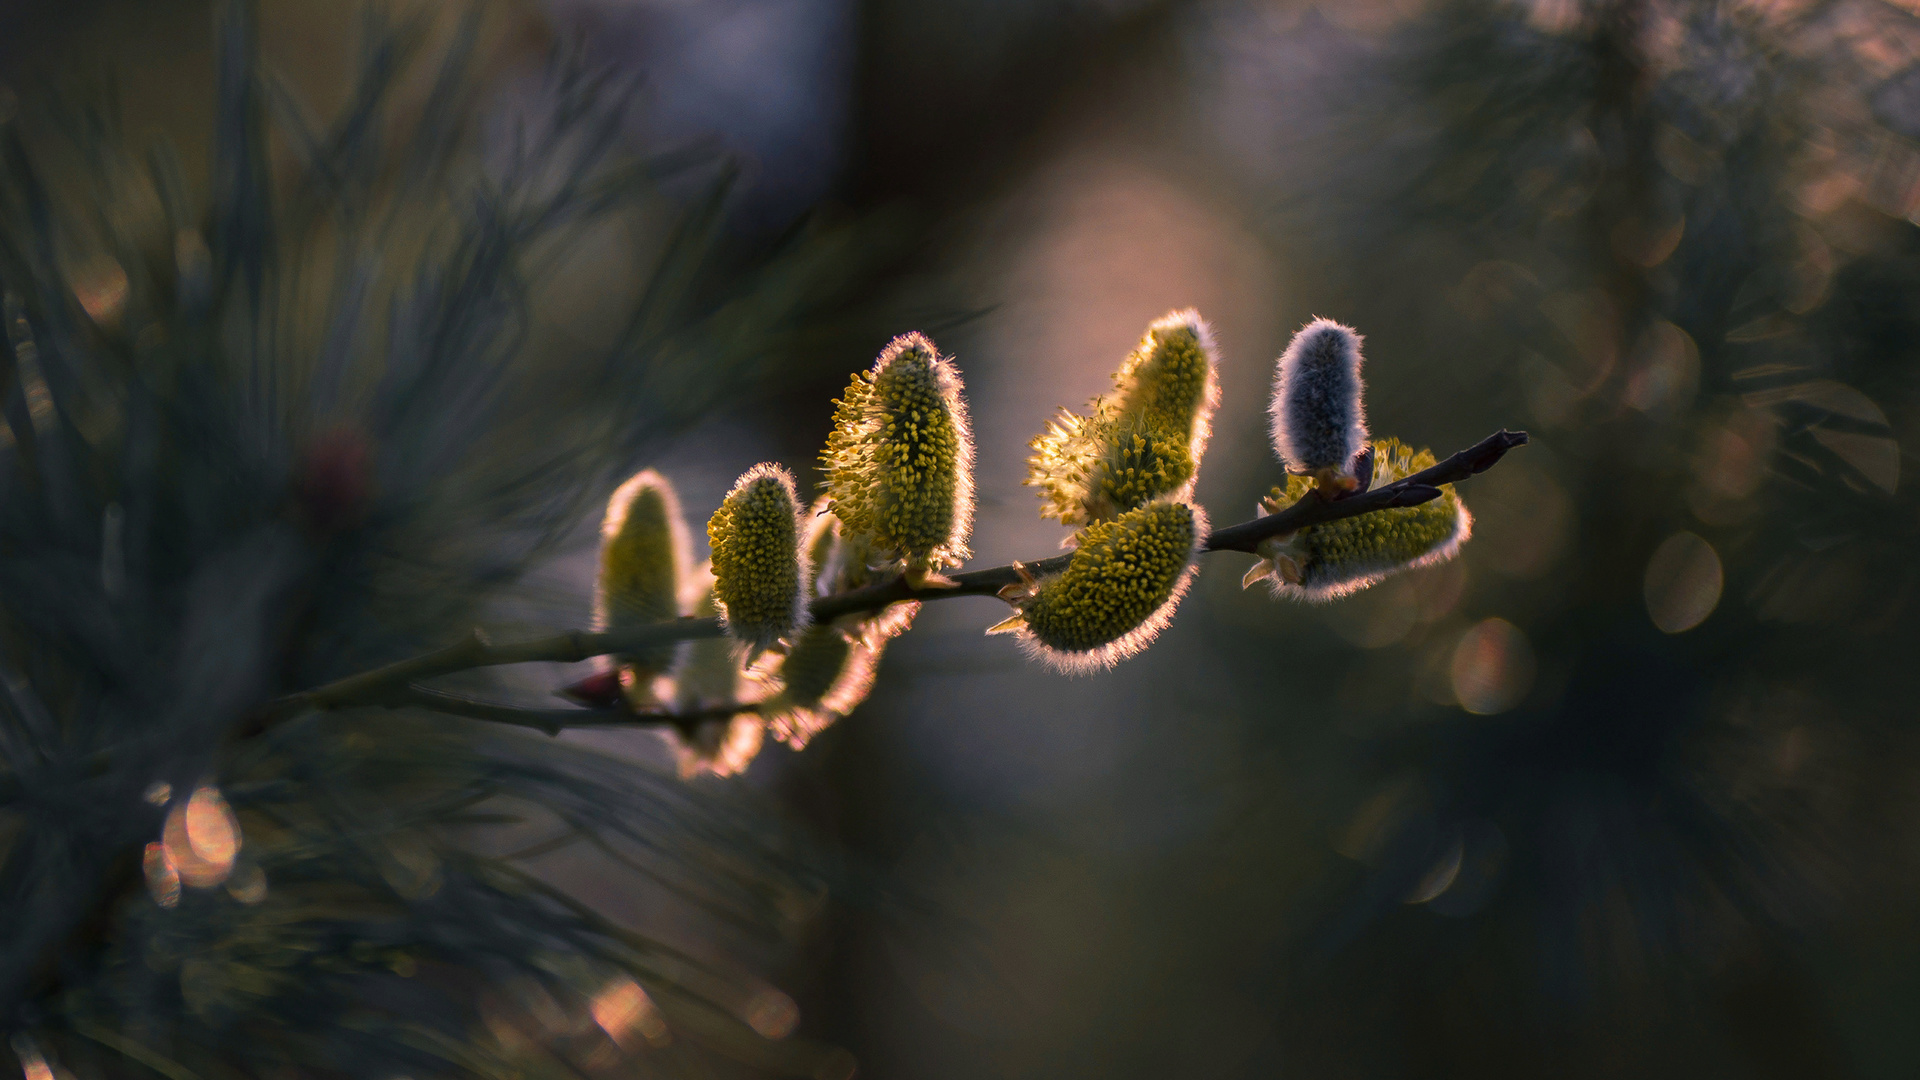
(1627, 789)
(1674, 238)
(316, 417)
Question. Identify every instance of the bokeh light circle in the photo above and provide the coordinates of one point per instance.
(1684, 581)
(1492, 667)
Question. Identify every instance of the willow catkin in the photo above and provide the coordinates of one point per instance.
(1318, 421)
(1325, 562)
(899, 460)
(759, 571)
(1141, 441)
(1118, 591)
(644, 560)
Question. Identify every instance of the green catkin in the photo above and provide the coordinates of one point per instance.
(644, 559)
(1325, 562)
(1118, 591)
(1140, 442)
(759, 570)
(899, 461)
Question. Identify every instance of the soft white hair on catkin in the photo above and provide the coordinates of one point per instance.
(1318, 421)
(1334, 583)
(1202, 430)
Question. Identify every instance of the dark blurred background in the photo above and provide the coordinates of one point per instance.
(1627, 790)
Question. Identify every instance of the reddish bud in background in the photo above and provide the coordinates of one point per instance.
(333, 480)
(600, 690)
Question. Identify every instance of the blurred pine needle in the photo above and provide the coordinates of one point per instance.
(307, 422)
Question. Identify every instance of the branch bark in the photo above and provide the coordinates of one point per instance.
(1421, 487)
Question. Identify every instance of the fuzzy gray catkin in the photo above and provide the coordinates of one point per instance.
(1319, 423)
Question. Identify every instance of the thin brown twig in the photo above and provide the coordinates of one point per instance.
(1410, 491)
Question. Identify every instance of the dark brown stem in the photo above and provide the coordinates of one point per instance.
(1411, 491)
(986, 582)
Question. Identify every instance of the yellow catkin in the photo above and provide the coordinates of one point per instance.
(644, 559)
(1140, 442)
(1119, 589)
(758, 567)
(899, 460)
(1341, 557)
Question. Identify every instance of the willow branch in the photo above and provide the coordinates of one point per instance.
(1316, 509)
(986, 582)
(396, 685)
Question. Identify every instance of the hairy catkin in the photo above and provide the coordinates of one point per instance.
(1140, 442)
(644, 557)
(1324, 562)
(1319, 423)
(899, 460)
(1119, 589)
(759, 571)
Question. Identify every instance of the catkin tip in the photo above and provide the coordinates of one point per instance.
(899, 461)
(1140, 442)
(645, 562)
